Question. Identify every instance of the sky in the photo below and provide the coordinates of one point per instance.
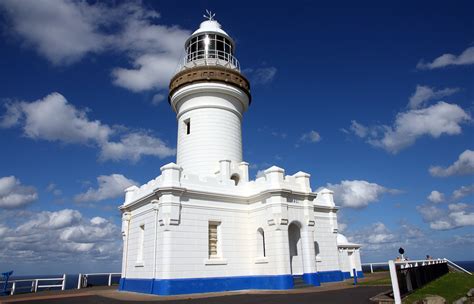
(375, 102)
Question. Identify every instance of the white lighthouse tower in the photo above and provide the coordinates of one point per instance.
(202, 225)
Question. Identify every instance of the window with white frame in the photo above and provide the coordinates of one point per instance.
(261, 243)
(141, 244)
(214, 240)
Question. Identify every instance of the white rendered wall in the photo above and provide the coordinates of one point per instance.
(327, 240)
(214, 111)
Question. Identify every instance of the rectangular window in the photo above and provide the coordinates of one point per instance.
(187, 126)
(214, 239)
(141, 244)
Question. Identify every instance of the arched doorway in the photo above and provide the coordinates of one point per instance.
(296, 249)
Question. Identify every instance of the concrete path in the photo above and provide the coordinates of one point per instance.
(360, 294)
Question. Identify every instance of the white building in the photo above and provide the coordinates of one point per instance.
(203, 225)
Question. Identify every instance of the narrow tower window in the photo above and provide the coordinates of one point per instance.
(213, 239)
(187, 125)
(141, 243)
(261, 242)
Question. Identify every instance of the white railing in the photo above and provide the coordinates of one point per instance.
(82, 279)
(36, 284)
(39, 283)
(209, 58)
(408, 262)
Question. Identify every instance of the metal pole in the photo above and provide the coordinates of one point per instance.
(79, 279)
(355, 276)
(110, 279)
(36, 285)
(13, 288)
(394, 279)
(371, 268)
(63, 287)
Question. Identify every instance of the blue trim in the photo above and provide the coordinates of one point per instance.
(330, 276)
(347, 274)
(311, 279)
(200, 285)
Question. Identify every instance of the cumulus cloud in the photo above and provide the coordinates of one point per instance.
(465, 58)
(439, 119)
(15, 195)
(64, 235)
(463, 191)
(457, 215)
(73, 126)
(436, 197)
(358, 193)
(262, 75)
(158, 98)
(64, 32)
(423, 94)
(464, 165)
(311, 137)
(110, 186)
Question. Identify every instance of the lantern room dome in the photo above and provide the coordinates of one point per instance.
(210, 26)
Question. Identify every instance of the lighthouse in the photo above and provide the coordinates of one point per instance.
(209, 96)
(203, 224)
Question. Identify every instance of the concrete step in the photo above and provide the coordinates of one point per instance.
(299, 283)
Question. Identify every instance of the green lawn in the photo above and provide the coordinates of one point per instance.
(451, 286)
(382, 281)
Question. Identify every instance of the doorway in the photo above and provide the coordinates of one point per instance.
(296, 250)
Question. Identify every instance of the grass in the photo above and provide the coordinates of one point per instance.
(451, 286)
(377, 282)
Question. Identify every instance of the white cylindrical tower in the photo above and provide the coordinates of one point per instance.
(209, 96)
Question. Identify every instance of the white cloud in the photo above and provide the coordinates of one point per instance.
(133, 146)
(262, 75)
(31, 236)
(72, 126)
(436, 197)
(358, 193)
(463, 191)
(465, 58)
(423, 94)
(148, 72)
(435, 120)
(463, 166)
(66, 31)
(110, 186)
(457, 215)
(359, 129)
(311, 137)
(53, 188)
(14, 195)
(158, 98)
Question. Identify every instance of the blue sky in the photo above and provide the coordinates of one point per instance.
(374, 102)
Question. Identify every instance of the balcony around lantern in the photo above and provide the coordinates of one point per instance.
(209, 58)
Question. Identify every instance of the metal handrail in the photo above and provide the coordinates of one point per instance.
(211, 57)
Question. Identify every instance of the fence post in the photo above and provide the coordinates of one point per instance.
(110, 279)
(394, 279)
(13, 288)
(32, 285)
(371, 268)
(79, 281)
(63, 287)
(36, 285)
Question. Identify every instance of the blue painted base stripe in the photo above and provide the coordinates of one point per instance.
(201, 285)
(311, 279)
(330, 276)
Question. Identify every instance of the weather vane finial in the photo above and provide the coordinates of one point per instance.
(209, 15)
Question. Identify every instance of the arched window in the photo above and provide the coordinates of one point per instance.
(261, 243)
(235, 178)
